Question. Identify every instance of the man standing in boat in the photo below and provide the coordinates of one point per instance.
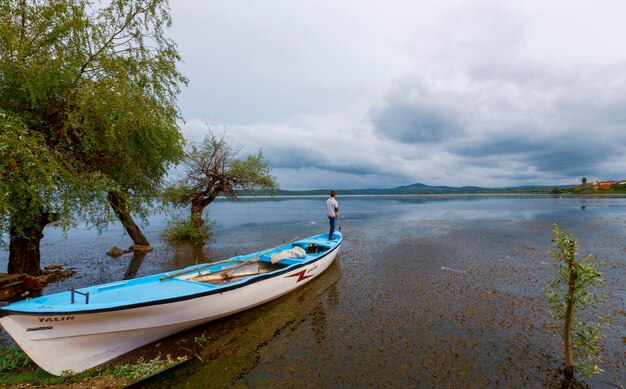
(332, 211)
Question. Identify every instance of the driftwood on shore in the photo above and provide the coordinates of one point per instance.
(22, 285)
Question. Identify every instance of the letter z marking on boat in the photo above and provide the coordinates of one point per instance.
(301, 275)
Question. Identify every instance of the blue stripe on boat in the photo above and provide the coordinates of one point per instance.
(150, 290)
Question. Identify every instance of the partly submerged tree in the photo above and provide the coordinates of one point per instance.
(214, 167)
(571, 296)
(37, 186)
(87, 111)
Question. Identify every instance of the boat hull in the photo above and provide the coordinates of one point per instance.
(74, 342)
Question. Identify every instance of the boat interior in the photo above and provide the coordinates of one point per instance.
(243, 267)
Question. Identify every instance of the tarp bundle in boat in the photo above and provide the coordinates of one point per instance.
(296, 252)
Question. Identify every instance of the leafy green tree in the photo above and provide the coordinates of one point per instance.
(214, 167)
(584, 180)
(87, 111)
(571, 295)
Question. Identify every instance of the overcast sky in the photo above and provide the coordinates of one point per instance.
(368, 94)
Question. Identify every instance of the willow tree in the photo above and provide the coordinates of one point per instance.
(212, 168)
(87, 111)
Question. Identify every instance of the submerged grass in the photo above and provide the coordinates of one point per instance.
(184, 230)
(142, 369)
(16, 368)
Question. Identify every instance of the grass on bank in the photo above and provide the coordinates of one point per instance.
(17, 368)
(13, 359)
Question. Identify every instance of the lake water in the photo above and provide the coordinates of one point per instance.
(438, 291)
(263, 213)
(253, 219)
(414, 208)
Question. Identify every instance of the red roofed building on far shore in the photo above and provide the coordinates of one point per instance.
(603, 184)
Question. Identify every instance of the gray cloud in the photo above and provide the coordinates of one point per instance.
(484, 93)
(570, 156)
(303, 157)
(538, 124)
(415, 123)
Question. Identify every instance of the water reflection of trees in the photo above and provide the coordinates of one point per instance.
(187, 254)
(134, 265)
(182, 255)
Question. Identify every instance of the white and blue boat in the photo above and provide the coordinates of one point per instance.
(78, 329)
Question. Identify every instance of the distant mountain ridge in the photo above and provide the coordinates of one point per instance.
(417, 188)
(421, 188)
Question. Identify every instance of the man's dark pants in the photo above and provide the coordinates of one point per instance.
(332, 227)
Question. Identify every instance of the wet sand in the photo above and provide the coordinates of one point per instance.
(439, 304)
(419, 304)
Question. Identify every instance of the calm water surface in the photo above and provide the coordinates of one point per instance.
(278, 212)
(389, 305)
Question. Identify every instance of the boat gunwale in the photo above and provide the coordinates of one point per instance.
(221, 289)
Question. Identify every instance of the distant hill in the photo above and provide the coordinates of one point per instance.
(417, 188)
(422, 188)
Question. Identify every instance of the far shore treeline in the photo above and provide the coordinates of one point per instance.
(617, 187)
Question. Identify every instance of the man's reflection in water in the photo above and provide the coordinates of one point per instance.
(319, 320)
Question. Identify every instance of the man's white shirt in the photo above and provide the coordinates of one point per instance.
(331, 204)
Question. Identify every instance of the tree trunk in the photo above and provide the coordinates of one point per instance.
(196, 213)
(569, 314)
(120, 207)
(24, 253)
(198, 204)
